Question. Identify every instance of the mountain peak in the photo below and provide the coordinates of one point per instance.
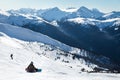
(53, 14)
(82, 8)
(55, 9)
(88, 13)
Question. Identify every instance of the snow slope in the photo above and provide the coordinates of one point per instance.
(28, 35)
(48, 58)
(15, 69)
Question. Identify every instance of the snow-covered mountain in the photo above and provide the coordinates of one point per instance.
(86, 13)
(57, 14)
(71, 27)
(50, 14)
(27, 46)
(53, 14)
(111, 15)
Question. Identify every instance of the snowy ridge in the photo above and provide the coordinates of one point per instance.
(98, 23)
(22, 19)
(4, 39)
(29, 35)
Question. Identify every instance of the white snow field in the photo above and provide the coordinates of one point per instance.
(27, 48)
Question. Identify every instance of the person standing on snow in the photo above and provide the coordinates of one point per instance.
(11, 56)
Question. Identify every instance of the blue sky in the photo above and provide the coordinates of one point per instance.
(103, 5)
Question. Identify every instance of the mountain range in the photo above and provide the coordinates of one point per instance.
(87, 29)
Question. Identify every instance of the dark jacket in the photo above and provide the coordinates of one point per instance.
(31, 68)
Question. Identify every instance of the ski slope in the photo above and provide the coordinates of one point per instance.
(44, 57)
(51, 70)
